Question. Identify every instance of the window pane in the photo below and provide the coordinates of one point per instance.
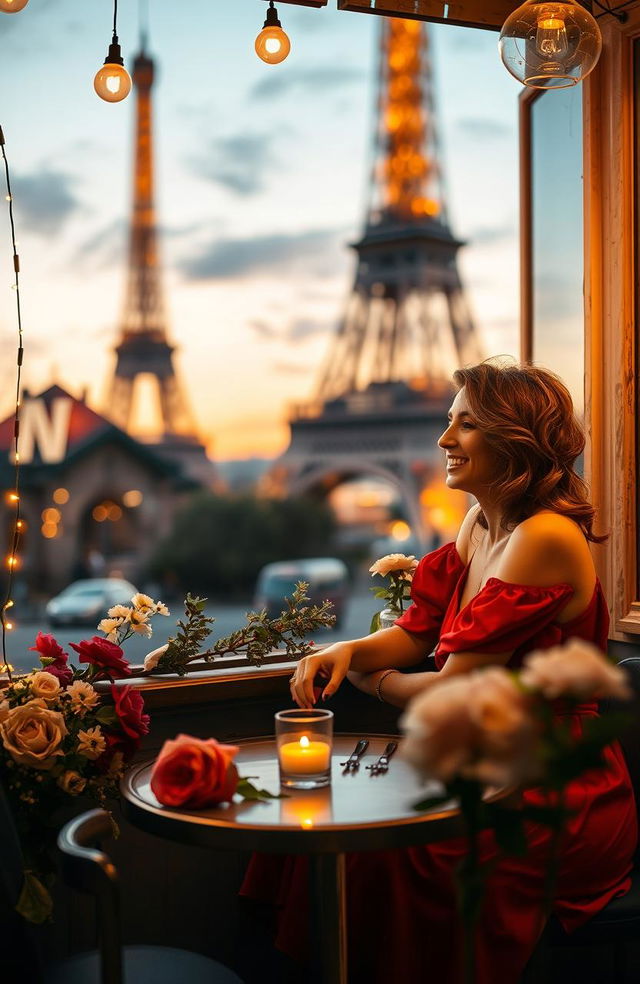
(557, 232)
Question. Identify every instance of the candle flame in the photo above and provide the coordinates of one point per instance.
(304, 741)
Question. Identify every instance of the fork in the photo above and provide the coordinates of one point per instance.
(353, 762)
(383, 762)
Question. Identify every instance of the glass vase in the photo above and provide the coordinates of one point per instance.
(388, 617)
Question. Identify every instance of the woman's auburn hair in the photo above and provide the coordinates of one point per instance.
(527, 417)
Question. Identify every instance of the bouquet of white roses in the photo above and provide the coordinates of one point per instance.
(61, 739)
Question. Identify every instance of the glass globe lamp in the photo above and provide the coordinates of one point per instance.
(550, 45)
(272, 44)
(112, 82)
(12, 6)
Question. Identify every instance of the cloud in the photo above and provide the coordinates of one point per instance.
(306, 81)
(44, 200)
(483, 128)
(104, 247)
(303, 328)
(241, 162)
(316, 252)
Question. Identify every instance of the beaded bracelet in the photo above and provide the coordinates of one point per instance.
(379, 683)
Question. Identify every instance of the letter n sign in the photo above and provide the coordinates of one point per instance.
(48, 432)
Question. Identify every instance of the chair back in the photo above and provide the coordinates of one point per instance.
(88, 869)
(630, 737)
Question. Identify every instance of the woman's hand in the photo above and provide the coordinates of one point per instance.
(331, 663)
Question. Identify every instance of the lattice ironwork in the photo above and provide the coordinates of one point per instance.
(143, 347)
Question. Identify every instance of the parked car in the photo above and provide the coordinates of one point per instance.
(86, 602)
(327, 577)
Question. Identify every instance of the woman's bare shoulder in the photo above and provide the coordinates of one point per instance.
(469, 534)
(545, 549)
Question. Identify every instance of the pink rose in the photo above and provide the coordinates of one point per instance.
(48, 648)
(194, 772)
(105, 655)
(578, 670)
(129, 707)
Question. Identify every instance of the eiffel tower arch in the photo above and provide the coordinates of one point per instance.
(143, 348)
(384, 390)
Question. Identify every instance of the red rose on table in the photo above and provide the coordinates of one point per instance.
(108, 657)
(129, 707)
(194, 772)
(49, 648)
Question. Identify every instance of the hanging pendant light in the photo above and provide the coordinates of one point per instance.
(12, 6)
(272, 44)
(112, 82)
(550, 45)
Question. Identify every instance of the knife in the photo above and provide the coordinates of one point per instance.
(353, 762)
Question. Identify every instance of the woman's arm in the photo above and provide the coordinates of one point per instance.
(388, 647)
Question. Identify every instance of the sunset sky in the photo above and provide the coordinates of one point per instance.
(261, 183)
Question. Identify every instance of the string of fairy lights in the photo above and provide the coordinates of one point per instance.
(13, 497)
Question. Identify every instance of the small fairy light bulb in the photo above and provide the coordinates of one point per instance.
(112, 82)
(12, 6)
(272, 44)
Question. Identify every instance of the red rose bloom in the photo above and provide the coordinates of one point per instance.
(49, 648)
(108, 657)
(129, 707)
(194, 772)
(115, 743)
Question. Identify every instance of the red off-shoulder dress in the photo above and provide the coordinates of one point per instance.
(402, 920)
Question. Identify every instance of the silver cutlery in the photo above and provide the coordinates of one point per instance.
(353, 762)
(383, 762)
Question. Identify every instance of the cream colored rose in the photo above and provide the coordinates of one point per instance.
(72, 782)
(82, 696)
(152, 659)
(577, 670)
(507, 745)
(45, 685)
(394, 562)
(441, 737)
(32, 734)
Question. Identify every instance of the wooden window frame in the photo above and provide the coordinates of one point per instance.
(610, 273)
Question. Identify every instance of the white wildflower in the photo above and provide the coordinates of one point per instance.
(143, 602)
(82, 696)
(120, 611)
(161, 608)
(91, 743)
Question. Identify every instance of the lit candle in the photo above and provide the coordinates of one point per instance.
(304, 757)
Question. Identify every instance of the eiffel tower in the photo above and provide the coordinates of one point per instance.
(143, 347)
(383, 393)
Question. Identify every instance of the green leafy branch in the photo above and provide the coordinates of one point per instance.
(260, 636)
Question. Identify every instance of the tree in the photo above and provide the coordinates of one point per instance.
(218, 543)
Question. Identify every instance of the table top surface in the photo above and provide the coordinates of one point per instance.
(358, 811)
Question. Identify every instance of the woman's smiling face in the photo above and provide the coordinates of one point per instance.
(471, 463)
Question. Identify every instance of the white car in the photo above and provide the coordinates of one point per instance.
(86, 602)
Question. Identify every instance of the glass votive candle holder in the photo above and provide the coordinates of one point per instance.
(304, 739)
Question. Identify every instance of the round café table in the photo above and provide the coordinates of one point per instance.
(357, 812)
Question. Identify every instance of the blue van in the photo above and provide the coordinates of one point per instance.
(327, 577)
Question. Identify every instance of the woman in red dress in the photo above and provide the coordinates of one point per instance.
(519, 577)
